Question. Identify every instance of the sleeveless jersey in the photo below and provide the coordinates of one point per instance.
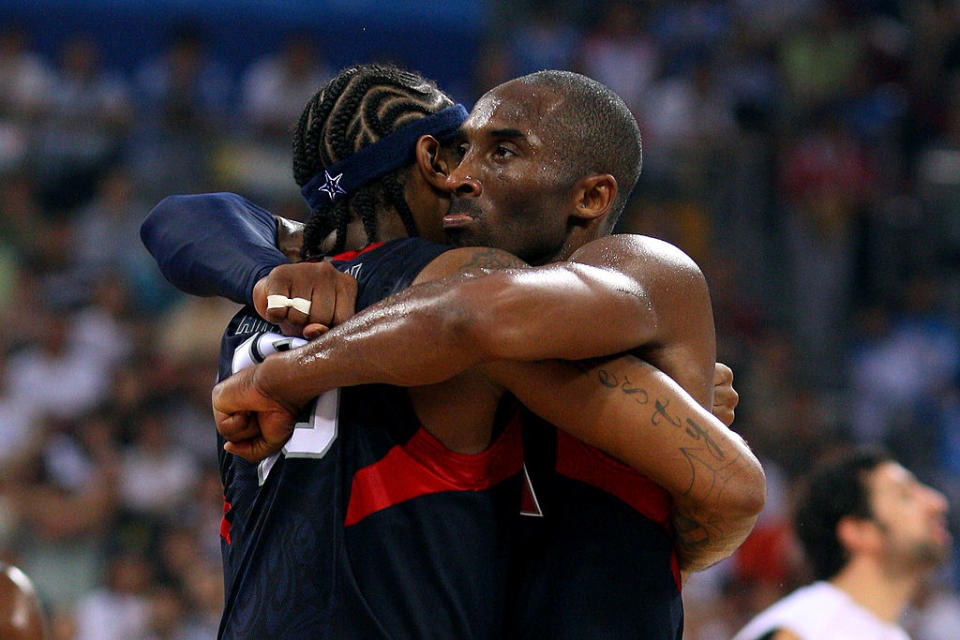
(595, 556)
(364, 526)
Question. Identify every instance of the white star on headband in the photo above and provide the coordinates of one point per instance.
(332, 185)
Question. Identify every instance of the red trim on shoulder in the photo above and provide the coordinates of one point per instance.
(346, 256)
(580, 461)
(224, 523)
(424, 465)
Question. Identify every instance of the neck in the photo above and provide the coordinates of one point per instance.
(389, 227)
(577, 236)
(876, 588)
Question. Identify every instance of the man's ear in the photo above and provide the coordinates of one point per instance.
(859, 535)
(594, 196)
(431, 163)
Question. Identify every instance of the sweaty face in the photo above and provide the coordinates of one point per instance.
(912, 516)
(508, 189)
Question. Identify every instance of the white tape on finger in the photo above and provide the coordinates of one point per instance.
(279, 302)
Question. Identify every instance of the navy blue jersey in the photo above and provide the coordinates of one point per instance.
(365, 525)
(595, 556)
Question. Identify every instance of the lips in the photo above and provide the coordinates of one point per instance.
(461, 213)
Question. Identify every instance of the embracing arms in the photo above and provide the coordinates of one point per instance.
(627, 409)
(571, 310)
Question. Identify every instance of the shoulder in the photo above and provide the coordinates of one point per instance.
(805, 613)
(623, 250)
(469, 259)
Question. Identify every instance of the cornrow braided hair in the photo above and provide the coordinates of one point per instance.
(359, 106)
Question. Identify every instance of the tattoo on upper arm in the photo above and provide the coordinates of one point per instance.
(493, 259)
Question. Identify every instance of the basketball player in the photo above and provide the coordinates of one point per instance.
(604, 374)
(871, 532)
(21, 616)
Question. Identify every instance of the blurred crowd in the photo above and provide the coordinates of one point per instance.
(805, 152)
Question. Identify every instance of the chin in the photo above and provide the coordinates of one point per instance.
(461, 238)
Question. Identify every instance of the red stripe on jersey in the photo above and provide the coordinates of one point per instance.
(424, 465)
(580, 461)
(346, 256)
(224, 523)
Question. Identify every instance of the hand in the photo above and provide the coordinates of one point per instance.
(254, 424)
(332, 297)
(725, 397)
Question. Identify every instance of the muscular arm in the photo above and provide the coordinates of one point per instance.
(570, 310)
(716, 483)
(640, 416)
(213, 244)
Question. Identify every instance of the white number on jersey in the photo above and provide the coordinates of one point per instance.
(311, 439)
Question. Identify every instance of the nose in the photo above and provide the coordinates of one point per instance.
(461, 183)
(937, 500)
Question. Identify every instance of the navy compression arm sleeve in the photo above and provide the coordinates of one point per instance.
(213, 244)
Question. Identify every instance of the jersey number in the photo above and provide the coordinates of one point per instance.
(311, 439)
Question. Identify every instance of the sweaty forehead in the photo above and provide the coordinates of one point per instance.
(513, 105)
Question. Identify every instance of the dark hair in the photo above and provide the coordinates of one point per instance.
(834, 490)
(593, 131)
(360, 105)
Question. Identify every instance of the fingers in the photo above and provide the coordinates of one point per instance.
(725, 400)
(725, 397)
(724, 414)
(722, 374)
(346, 299)
(234, 426)
(304, 293)
(314, 330)
(252, 450)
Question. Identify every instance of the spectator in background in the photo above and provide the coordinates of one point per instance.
(544, 38)
(25, 79)
(105, 239)
(185, 95)
(184, 85)
(24, 88)
(121, 609)
(828, 179)
(156, 477)
(619, 53)
(277, 84)
(819, 60)
(88, 110)
(55, 373)
(872, 532)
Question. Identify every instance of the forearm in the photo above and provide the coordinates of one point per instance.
(435, 330)
(638, 415)
(215, 244)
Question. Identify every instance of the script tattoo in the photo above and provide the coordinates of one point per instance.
(710, 467)
(693, 429)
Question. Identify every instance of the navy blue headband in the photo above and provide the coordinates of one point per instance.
(383, 156)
